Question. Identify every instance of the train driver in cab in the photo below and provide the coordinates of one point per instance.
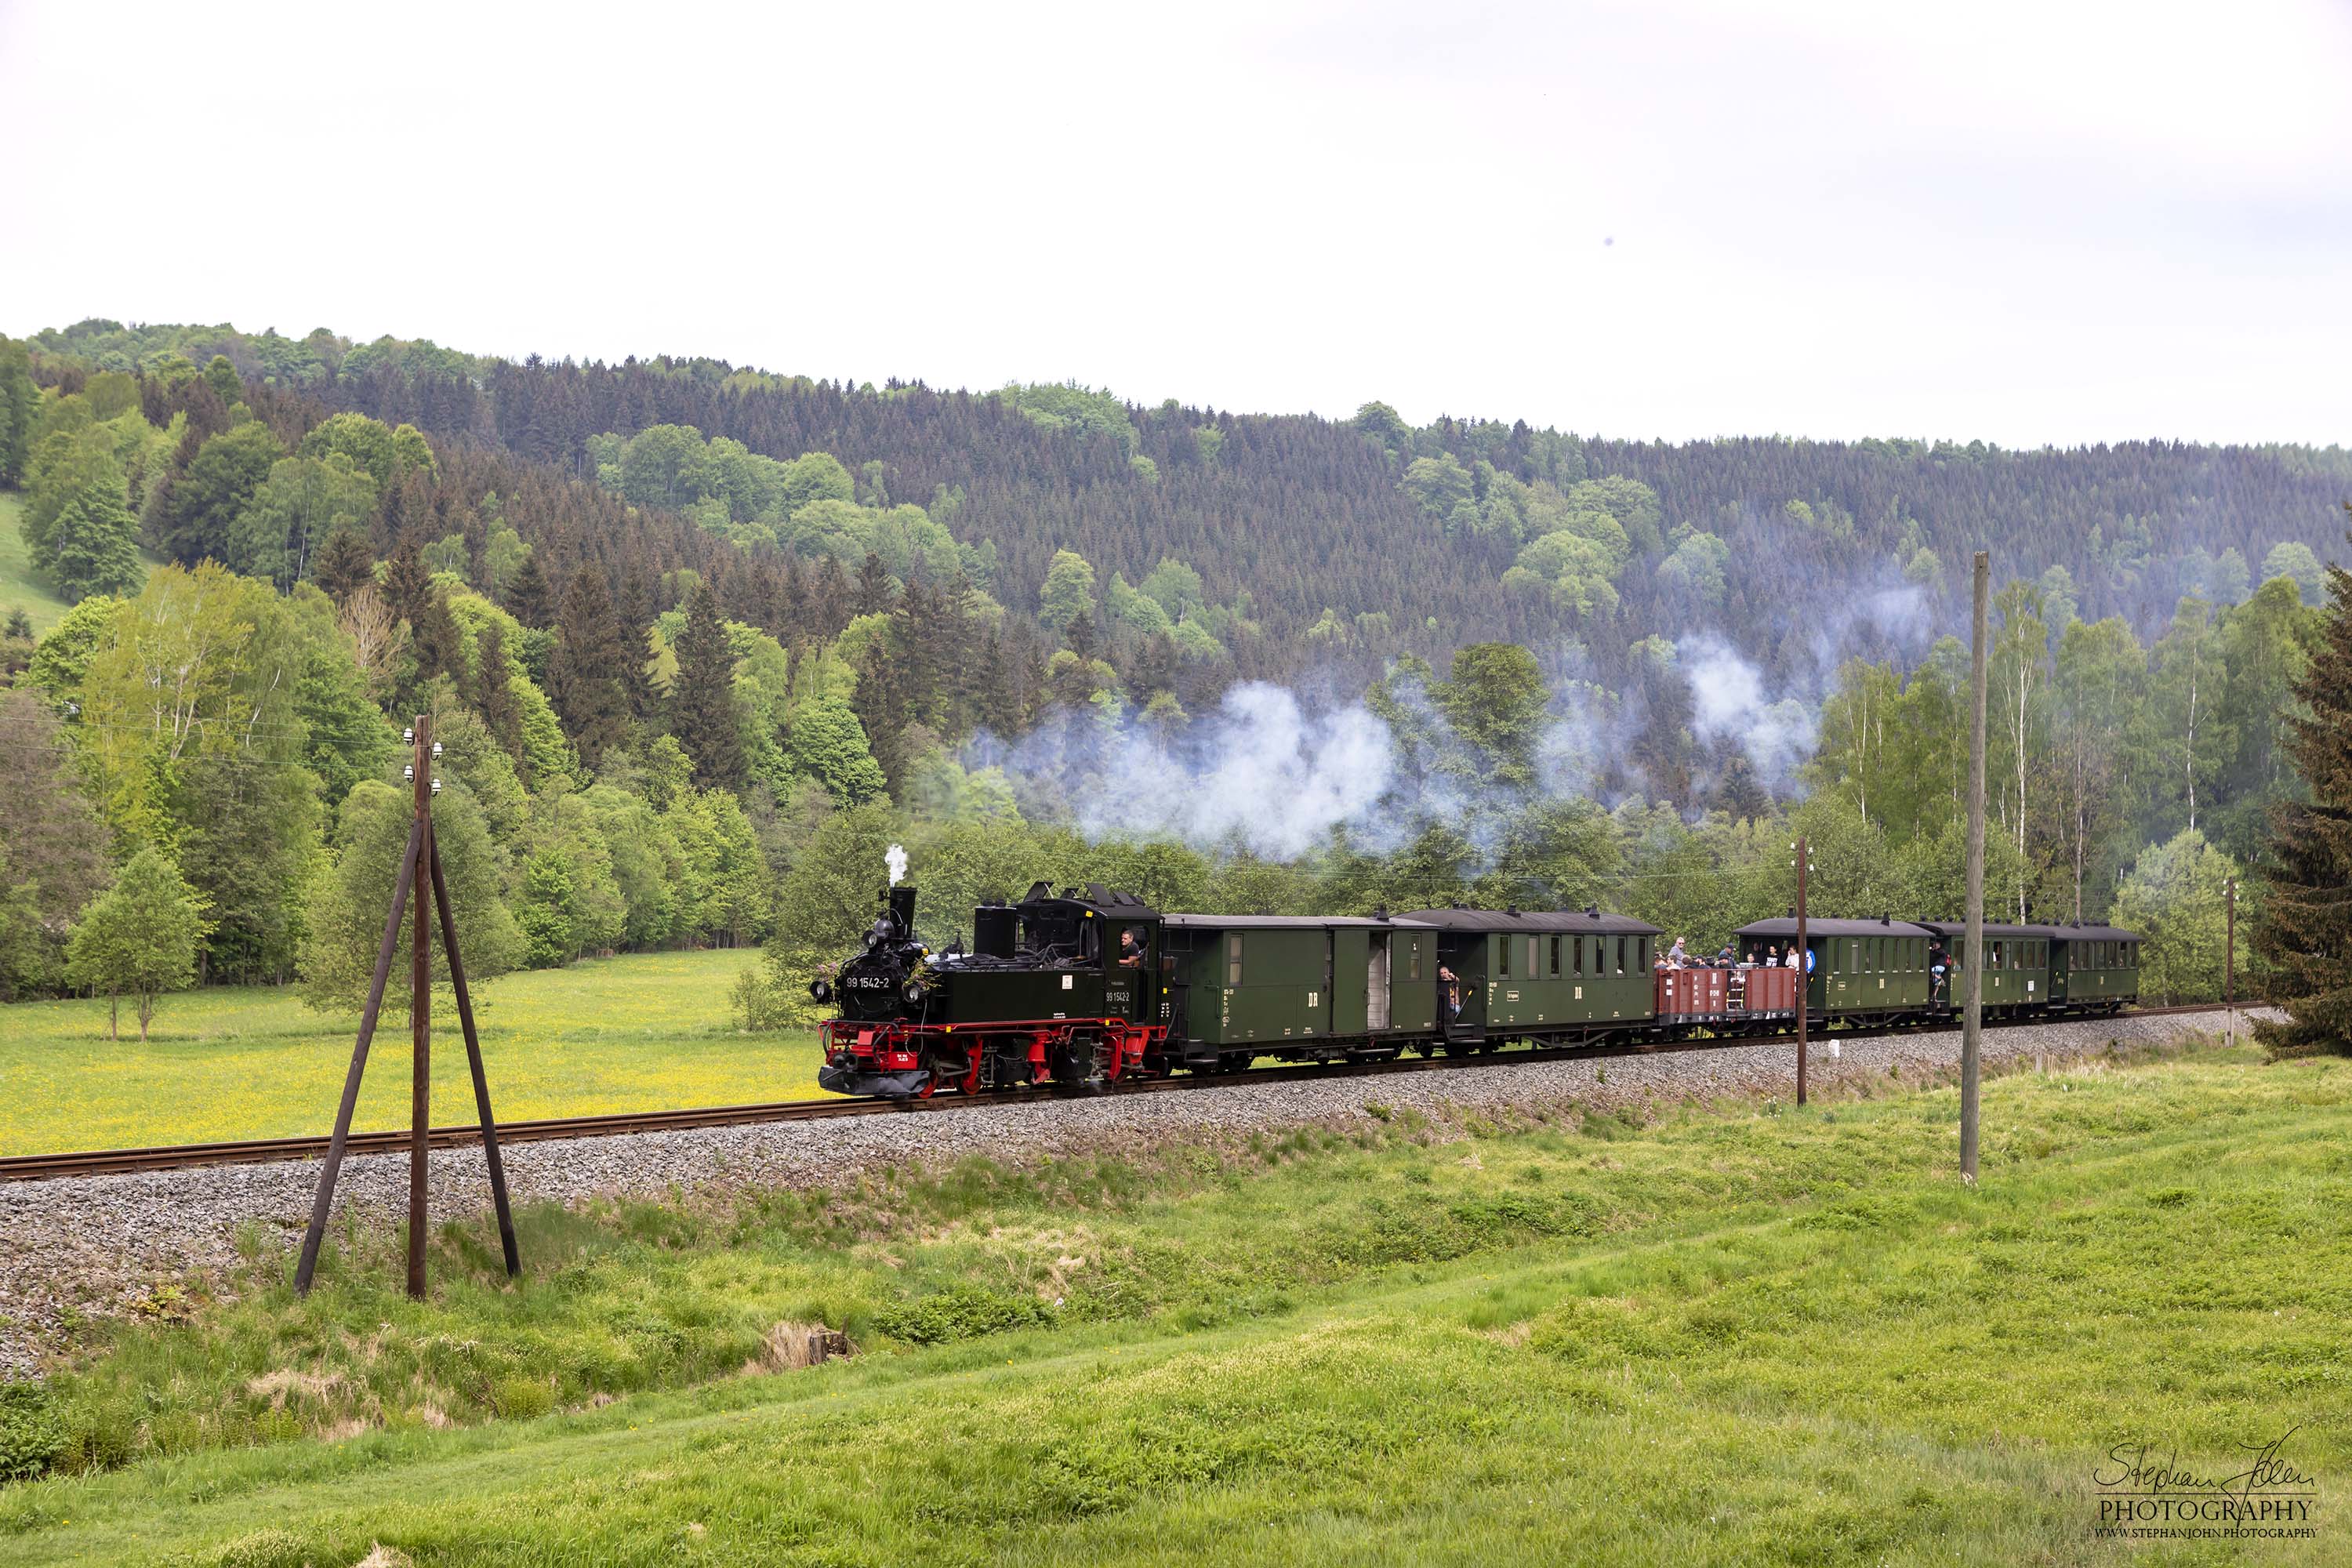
(1130, 949)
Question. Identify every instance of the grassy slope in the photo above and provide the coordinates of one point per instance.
(629, 1033)
(19, 586)
(1742, 1338)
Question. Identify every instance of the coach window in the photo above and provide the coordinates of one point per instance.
(1535, 959)
(1621, 955)
(1555, 958)
(1575, 955)
(1234, 959)
(1412, 959)
(1503, 948)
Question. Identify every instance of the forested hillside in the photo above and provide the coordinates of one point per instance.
(701, 642)
(1360, 538)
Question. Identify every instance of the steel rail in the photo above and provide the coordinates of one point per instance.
(628, 1123)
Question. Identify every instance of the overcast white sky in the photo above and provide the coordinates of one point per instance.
(2025, 220)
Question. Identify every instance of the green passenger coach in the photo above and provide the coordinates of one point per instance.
(1861, 971)
(1557, 973)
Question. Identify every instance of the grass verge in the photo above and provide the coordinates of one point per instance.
(1740, 1335)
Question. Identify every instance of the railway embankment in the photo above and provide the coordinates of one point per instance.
(112, 1245)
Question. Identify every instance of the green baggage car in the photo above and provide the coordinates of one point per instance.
(1308, 988)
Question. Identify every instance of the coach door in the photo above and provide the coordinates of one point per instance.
(1376, 982)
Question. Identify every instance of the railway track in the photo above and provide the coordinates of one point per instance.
(264, 1151)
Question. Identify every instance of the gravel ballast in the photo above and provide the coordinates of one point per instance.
(104, 1245)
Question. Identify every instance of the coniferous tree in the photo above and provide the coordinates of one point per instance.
(407, 584)
(433, 639)
(996, 704)
(880, 704)
(792, 605)
(636, 606)
(587, 672)
(2305, 932)
(529, 598)
(632, 599)
(872, 596)
(829, 599)
(702, 698)
(1026, 689)
(343, 563)
(493, 693)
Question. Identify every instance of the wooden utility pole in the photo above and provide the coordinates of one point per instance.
(420, 873)
(1972, 1018)
(2229, 961)
(1804, 962)
(420, 1014)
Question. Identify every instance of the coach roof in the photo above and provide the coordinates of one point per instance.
(2089, 933)
(1545, 920)
(1785, 925)
(1285, 923)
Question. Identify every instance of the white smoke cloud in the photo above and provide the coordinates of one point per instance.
(1729, 697)
(896, 858)
(1264, 770)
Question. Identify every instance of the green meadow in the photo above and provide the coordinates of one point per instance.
(1737, 1333)
(19, 588)
(639, 1032)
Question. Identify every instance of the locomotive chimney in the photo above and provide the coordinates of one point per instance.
(902, 910)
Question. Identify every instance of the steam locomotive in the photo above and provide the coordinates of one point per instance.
(1084, 987)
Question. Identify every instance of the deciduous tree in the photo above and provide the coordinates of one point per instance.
(139, 938)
